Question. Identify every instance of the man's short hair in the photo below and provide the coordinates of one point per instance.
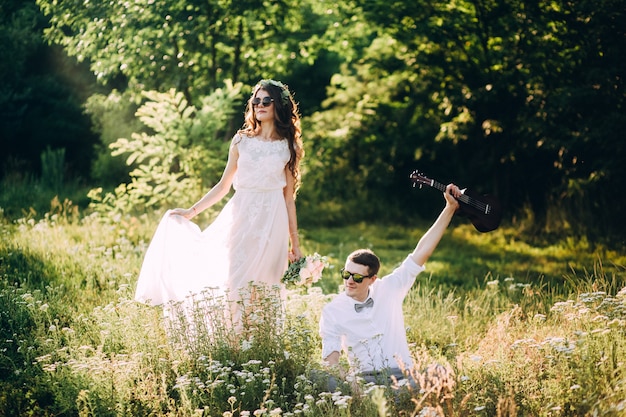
(366, 257)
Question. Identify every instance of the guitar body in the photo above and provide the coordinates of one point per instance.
(483, 222)
(484, 211)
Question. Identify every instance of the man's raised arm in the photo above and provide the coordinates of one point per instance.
(429, 241)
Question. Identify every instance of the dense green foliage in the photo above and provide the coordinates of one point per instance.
(41, 94)
(525, 101)
(171, 163)
(191, 46)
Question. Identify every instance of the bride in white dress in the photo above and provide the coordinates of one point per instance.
(250, 239)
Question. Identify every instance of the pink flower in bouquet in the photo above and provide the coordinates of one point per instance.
(312, 270)
(305, 271)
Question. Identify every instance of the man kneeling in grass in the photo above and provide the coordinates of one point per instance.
(366, 320)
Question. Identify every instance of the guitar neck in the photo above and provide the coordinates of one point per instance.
(463, 198)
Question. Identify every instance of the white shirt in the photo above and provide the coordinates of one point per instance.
(375, 338)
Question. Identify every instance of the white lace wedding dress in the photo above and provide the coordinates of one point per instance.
(248, 241)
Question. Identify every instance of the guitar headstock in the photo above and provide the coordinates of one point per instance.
(420, 179)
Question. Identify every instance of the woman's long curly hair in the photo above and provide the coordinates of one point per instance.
(286, 122)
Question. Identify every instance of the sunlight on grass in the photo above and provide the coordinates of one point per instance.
(488, 308)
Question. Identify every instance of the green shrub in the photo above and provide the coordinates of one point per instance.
(182, 147)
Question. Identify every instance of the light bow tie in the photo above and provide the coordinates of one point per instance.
(367, 304)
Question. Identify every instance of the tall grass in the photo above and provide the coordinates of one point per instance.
(53, 168)
(72, 341)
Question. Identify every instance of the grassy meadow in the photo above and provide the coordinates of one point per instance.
(524, 329)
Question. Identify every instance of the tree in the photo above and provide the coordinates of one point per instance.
(189, 45)
(518, 94)
(37, 85)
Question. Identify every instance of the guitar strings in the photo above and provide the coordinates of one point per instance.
(485, 208)
(477, 204)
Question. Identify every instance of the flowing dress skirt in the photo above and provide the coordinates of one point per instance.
(248, 241)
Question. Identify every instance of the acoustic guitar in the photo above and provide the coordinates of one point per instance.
(483, 211)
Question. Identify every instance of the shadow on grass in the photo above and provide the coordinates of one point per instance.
(24, 269)
(25, 388)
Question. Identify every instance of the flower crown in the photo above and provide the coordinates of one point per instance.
(284, 91)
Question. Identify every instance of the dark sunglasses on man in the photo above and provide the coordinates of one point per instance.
(358, 278)
(267, 101)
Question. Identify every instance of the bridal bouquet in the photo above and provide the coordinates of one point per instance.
(305, 271)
